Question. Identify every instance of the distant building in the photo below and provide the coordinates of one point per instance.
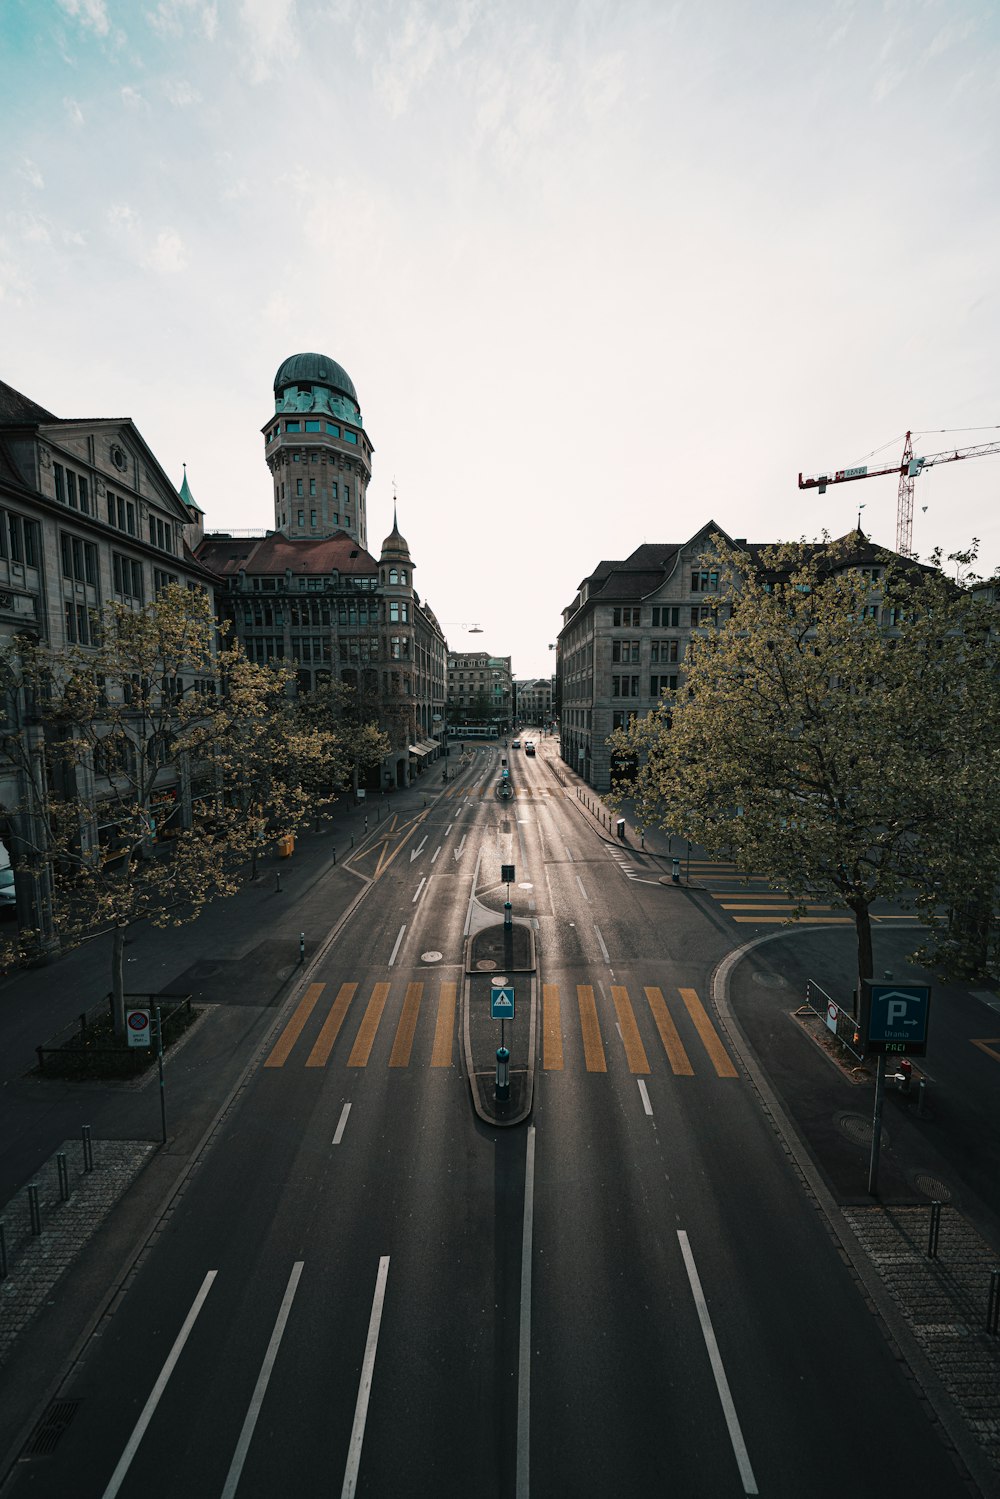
(533, 697)
(624, 637)
(480, 689)
(310, 592)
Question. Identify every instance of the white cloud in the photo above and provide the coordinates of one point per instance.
(92, 13)
(165, 254)
(32, 228)
(73, 111)
(15, 286)
(30, 172)
(131, 97)
(73, 237)
(170, 18)
(271, 37)
(180, 93)
(414, 52)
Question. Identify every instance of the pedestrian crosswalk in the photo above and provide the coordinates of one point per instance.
(751, 899)
(398, 1024)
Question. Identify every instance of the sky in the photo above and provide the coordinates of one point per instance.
(600, 272)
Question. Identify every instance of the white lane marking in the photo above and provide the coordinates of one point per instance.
(448, 829)
(715, 1358)
(604, 950)
(472, 895)
(419, 848)
(365, 1388)
(399, 939)
(260, 1388)
(342, 1124)
(457, 853)
(423, 882)
(569, 854)
(139, 1430)
(524, 1330)
(435, 853)
(643, 1095)
(582, 891)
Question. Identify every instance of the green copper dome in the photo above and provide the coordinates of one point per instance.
(314, 369)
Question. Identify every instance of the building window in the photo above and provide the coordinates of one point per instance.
(127, 575)
(666, 616)
(662, 650)
(350, 436)
(628, 617)
(60, 477)
(298, 486)
(662, 684)
(704, 582)
(700, 613)
(624, 686)
(293, 427)
(312, 517)
(302, 517)
(162, 579)
(79, 560)
(312, 426)
(312, 486)
(333, 431)
(625, 650)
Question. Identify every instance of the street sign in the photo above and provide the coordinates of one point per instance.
(898, 1016)
(137, 1027)
(502, 1002)
(507, 874)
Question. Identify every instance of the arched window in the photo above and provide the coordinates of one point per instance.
(402, 574)
(394, 575)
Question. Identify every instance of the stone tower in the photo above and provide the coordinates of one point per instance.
(318, 451)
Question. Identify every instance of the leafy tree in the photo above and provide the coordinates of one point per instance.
(98, 733)
(836, 732)
(340, 709)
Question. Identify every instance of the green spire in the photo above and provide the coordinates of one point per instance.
(186, 495)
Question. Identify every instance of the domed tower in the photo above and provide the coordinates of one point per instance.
(318, 451)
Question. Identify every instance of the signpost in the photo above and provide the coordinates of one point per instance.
(502, 1008)
(896, 1020)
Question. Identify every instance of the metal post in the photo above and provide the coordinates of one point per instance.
(675, 871)
(36, 1217)
(159, 1065)
(3, 1253)
(921, 1097)
(688, 875)
(877, 1125)
(507, 908)
(277, 882)
(335, 853)
(934, 1232)
(88, 1149)
(992, 1305)
(63, 1175)
(302, 947)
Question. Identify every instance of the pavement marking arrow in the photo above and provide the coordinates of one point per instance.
(419, 848)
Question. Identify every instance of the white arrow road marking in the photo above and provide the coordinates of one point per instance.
(458, 851)
(419, 848)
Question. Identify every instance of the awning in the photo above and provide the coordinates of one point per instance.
(418, 752)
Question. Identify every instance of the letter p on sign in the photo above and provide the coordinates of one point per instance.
(895, 1012)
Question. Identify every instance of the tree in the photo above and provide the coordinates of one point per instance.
(837, 731)
(162, 728)
(337, 708)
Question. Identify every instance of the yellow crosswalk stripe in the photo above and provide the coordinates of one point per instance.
(678, 1058)
(320, 1054)
(635, 1052)
(361, 1050)
(552, 1046)
(444, 1029)
(718, 1055)
(293, 1030)
(403, 1044)
(814, 920)
(593, 1047)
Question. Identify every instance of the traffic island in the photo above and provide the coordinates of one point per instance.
(498, 1005)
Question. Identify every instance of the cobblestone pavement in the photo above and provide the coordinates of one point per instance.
(35, 1263)
(944, 1303)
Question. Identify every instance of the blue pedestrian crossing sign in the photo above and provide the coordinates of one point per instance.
(897, 1018)
(502, 1002)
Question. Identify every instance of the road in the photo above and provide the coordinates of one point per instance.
(365, 1289)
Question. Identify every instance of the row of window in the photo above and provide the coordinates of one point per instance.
(364, 583)
(626, 651)
(331, 428)
(622, 686)
(72, 489)
(664, 616)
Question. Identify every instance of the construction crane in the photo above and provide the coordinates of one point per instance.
(908, 469)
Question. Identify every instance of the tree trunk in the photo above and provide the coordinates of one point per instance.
(118, 980)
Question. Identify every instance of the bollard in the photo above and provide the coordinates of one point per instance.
(921, 1097)
(366, 823)
(905, 1074)
(352, 840)
(302, 947)
(3, 1253)
(935, 1230)
(335, 853)
(63, 1175)
(36, 1217)
(507, 918)
(88, 1149)
(277, 882)
(992, 1305)
(675, 871)
(503, 1073)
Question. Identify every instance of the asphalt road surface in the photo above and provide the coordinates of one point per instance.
(364, 1289)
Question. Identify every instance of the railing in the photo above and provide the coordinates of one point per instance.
(841, 1022)
(87, 1046)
